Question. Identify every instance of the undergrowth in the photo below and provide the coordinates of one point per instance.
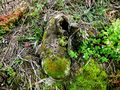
(103, 47)
(23, 70)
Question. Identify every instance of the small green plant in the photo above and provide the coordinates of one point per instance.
(38, 7)
(73, 54)
(59, 4)
(105, 46)
(18, 61)
(11, 74)
(38, 34)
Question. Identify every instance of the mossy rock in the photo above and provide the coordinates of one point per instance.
(92, 77)
(56, 67)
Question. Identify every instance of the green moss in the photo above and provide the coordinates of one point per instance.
(91, 78)
(63, 41)
(56, 67)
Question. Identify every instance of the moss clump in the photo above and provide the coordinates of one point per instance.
(91, 78)
(56, 67)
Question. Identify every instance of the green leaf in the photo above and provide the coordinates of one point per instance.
(73, 54)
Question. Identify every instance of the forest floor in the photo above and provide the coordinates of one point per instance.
(95, 44)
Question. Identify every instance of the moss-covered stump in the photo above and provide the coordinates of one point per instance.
(53, 51)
